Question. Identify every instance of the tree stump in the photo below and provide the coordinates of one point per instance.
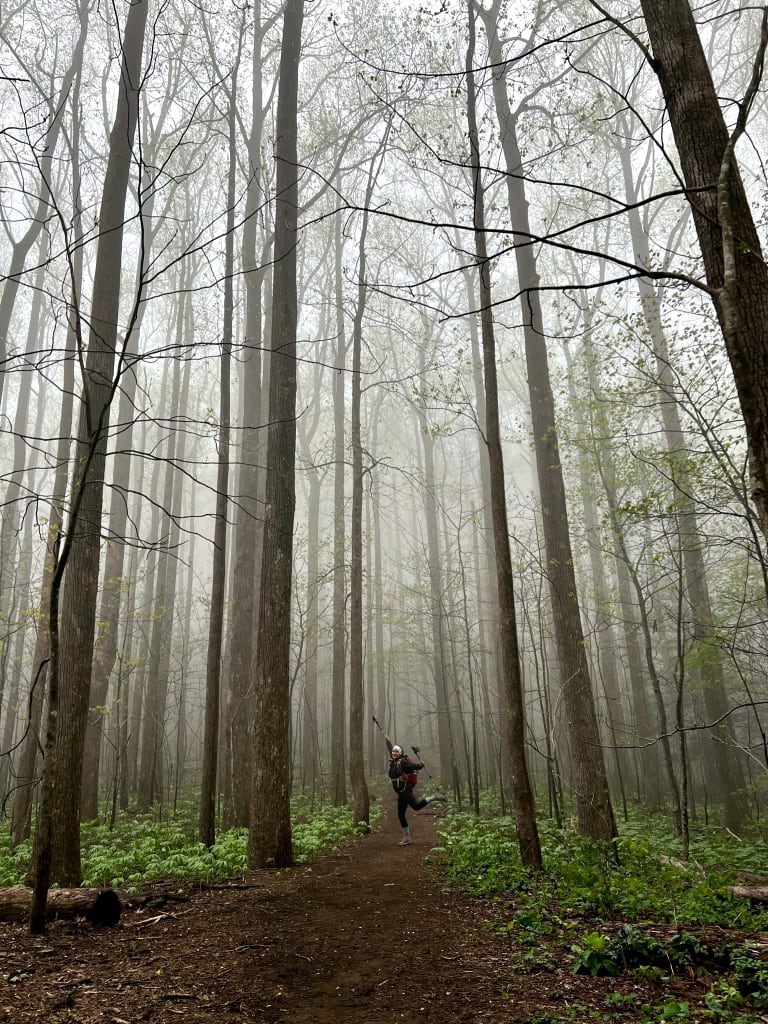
(100, 906)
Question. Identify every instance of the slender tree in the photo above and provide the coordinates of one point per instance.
(590, 780)
(522, 791)
(207, 824)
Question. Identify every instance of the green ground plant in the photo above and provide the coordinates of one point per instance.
(141, 850)
(581, 877)
(574, 904)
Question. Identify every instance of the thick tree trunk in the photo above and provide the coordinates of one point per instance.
(105, 651)
(248, 531)
(735, 269)
(57, 853)
(270, 842)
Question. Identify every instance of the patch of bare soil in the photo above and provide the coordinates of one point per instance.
(367, 934)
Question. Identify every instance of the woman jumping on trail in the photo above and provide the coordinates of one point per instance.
(403, 773)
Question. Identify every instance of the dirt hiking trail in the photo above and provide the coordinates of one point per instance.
(365, 935)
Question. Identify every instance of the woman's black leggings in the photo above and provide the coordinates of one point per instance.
(406, 800)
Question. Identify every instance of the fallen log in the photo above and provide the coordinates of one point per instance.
(100, 906)
(758, 893)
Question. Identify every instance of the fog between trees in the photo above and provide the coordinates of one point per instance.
(361, 362)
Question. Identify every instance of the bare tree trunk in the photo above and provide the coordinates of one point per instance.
(150, 778)
(307, 428)
(338, 716)
(14, 510)
(270, 841)
(248, 533)
(448, 767)
(112, 586)
(595, 812)
(735, 269)
(12, 717)
(360, 797)
(618, 731)
(522, 791)
(57, 841)
(724, 772)
(207, 824)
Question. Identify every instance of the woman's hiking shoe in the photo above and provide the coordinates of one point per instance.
(438, 798)
(405, 842)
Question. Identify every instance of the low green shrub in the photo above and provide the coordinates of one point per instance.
(595, 956)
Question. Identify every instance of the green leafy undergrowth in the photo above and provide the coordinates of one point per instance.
(140, 851)
(568, 912)
(631, 881)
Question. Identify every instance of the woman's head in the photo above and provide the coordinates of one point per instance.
(397, 751)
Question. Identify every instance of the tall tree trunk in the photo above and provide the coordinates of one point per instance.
(13, 719)
(112, 588)
(618, 731)
(522, 791)
(360, 797)
(310, 756)
(595, 813)
(307, 428)
(735, 270)
(648, 782)
(57, 840)
(448, 768)
(270, 841)
(14, 510)
(248, 531)
(207, 824)
(338, 716)
(725, 777)
(150, 781)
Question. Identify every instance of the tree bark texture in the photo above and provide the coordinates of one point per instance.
(270, 842)
(733, 261)
(522, 791)
(207, 825)
(338, 715)
(81, 549)
(248, 532)
(590, 783)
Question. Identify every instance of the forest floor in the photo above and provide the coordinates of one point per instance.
(367, 934)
